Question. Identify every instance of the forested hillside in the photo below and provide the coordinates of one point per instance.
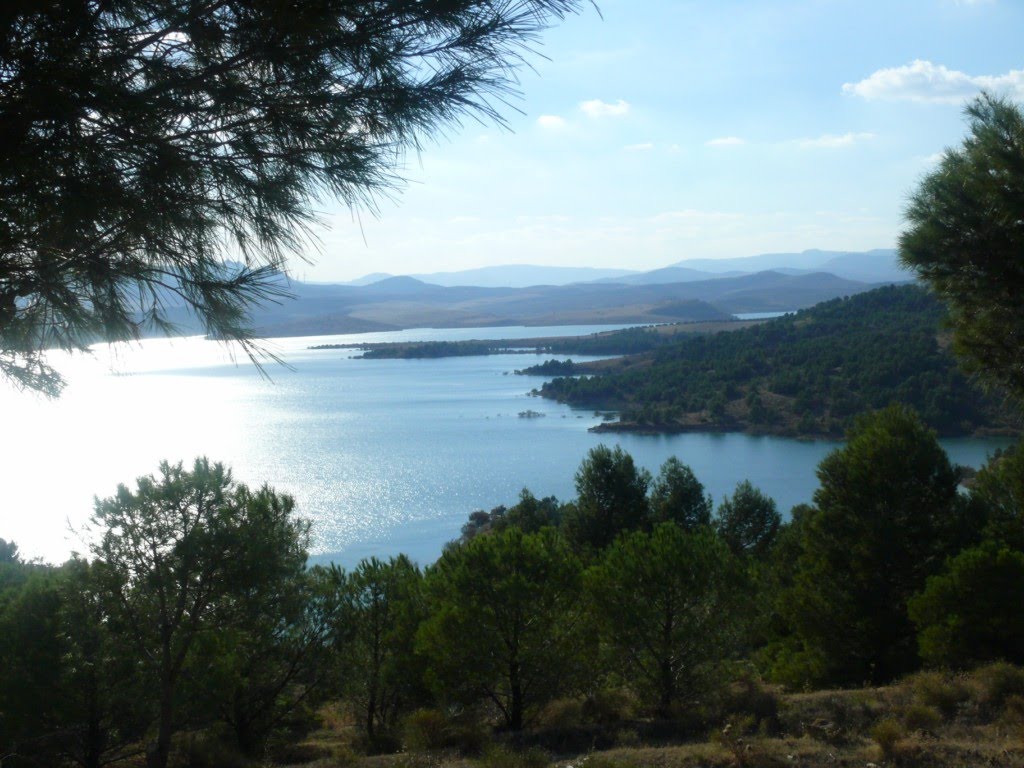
(806, 373)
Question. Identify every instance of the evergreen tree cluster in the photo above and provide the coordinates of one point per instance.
(810, 372)
(196, 611)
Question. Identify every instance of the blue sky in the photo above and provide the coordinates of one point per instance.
(670, 129)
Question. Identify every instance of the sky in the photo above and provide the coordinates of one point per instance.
(662, 130)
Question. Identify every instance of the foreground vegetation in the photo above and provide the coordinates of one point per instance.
(195, 635)
(926, 720)
(808, 373)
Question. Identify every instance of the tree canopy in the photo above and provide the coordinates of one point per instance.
(970, 612)
(143, 142)
(807, 373)
(611, 497)
(965, 240)
(503, 621)
(748, 521)
(886, 516)
(677, 496)
(186, 554)
(667, 602)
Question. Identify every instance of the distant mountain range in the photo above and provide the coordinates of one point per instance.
(405, 302)
(687, 291)
(877, 266)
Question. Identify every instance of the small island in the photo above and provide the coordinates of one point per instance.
(531, 414)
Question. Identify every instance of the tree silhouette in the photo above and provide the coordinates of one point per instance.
(143, 142)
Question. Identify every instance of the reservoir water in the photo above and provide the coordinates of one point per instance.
(384, 456)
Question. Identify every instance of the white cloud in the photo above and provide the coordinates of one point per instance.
(833, 141)
(551, 122)
(925, 82)
(726, 141)
(596, 108)
(644, 147)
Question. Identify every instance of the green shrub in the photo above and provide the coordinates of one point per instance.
(1013, 711)
(887, 734)
(997, 682)
(561, 713)
(426, 730)
(749, 696)
(921, 717)
(607, 706)
(939, 690)
(791, 665)
(1012, 719)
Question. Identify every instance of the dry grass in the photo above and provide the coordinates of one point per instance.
(929, 720)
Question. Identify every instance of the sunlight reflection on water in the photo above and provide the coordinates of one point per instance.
(382, 455)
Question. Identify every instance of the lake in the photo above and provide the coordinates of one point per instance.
(384, 456)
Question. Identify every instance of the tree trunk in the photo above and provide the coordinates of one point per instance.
(158, 752)
(668, 691)
(515, 720)
(95, 734)
(371, 714)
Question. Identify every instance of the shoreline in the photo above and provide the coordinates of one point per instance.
(636, 428)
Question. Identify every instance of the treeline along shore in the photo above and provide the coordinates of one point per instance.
(803, 374)
(623, 342)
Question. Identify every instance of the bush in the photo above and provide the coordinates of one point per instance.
(997, 682)
(1012, 719)
(939, 690)
(749, 696)
(887, 734)
(608, 706)
(835, 718)
(921, 717)
(1014, 710)
(428, 730)
(561, 713)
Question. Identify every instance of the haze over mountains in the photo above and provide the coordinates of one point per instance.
(692, 290)
(876, 266)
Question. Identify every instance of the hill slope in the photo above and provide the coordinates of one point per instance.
(405, 302)
(808, 373)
